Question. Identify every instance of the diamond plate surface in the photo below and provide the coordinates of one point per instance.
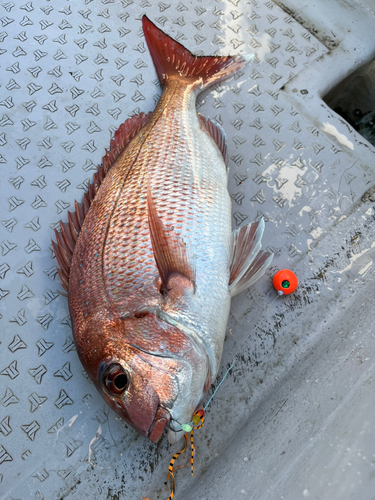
(72, 73)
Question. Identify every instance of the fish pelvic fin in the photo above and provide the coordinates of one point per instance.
(248, 262)
(169, 248)
(67, 237)
(171, 59)
(217, 133)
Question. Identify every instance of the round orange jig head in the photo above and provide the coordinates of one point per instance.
(285, 282)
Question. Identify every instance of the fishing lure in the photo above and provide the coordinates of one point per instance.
(198, 421)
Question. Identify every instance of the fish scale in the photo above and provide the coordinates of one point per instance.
(189, 191)
(179, 203)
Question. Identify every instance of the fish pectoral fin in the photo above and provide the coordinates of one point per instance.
(170, 250)
(248, 262)
(217, 133)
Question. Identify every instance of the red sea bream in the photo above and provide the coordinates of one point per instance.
(149, 260)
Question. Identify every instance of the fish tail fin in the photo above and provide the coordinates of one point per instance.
(171, 59)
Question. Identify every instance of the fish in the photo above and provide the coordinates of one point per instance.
(149, 260)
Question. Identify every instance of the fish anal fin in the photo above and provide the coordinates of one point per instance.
(169, 251)
(217, 133)
(67, 238)
(248, 262)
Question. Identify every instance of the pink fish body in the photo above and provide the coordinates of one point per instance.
(149, 259)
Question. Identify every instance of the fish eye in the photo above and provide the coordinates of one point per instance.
(115, 379)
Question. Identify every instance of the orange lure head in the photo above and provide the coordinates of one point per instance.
(149, 372)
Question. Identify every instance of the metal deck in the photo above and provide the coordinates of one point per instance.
(294, 419)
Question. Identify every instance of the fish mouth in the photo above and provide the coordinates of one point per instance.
(162, 418)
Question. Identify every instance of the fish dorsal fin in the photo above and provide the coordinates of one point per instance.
(217, 133)
(123, 135)
(69, 231)
(247, 262)
(169, 249)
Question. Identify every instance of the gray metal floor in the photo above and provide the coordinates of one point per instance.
(294, 419)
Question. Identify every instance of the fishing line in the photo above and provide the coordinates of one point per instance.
(235, 356)
(198, 419)
(184, 426)
(285, 282)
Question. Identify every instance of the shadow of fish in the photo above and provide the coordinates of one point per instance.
(149, 260)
